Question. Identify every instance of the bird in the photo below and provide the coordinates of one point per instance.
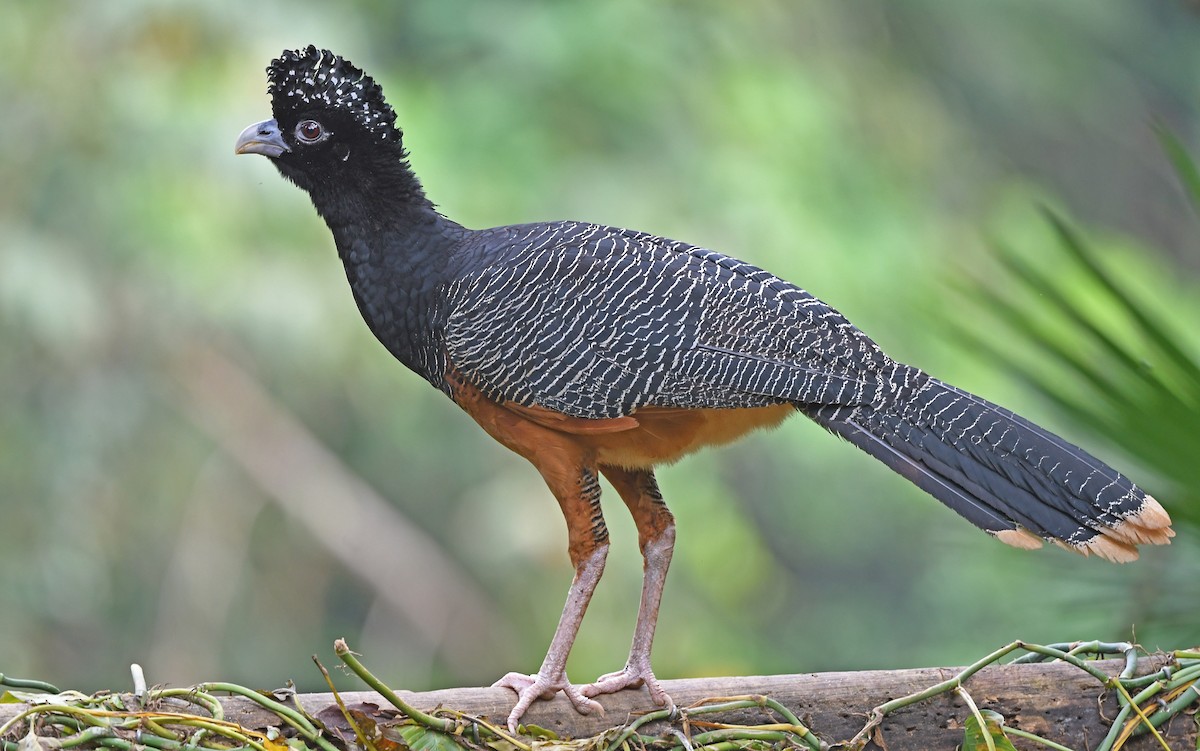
(593, 350)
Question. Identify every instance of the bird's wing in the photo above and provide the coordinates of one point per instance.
(595, 322)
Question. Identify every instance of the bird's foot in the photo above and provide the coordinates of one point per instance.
(634, 674)
(539, 686)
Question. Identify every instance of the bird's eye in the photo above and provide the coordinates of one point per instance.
(310, 131)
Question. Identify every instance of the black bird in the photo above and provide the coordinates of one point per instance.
(594, 350)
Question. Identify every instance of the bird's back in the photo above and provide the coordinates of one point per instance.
(596, 322)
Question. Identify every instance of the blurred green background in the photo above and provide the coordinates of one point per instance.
(208, 466)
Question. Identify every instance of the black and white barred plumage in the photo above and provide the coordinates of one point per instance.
(598, 322)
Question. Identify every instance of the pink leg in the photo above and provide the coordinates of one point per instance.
(588, 547)
(656, 535)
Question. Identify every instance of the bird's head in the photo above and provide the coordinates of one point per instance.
(331, 125)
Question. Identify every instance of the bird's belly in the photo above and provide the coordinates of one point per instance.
(665, 435)
(648, 437)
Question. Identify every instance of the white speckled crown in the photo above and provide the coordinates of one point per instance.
(303, 78)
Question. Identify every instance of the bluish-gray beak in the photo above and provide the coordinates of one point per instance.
(261, 138)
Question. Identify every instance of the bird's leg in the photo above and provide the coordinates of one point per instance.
(588, 547)
(656, 536)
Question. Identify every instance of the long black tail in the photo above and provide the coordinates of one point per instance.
(1004, 474)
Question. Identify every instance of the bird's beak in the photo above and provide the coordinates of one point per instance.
(261, 138)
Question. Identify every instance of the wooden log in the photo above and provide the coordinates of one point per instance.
(1054, 700)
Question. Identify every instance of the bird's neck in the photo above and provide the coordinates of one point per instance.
(376, 198)
(383, 224)
(395, 247)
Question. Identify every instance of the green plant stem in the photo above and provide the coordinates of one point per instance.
(1055, 651)
(1185, 699)
(363, 741)
(983, 728)
(26, 684)
(631, 729)
(478, 723)
(87, 735)
(1098, 648)
(1187, 675)
(1129, 706)
(1010, 730)
(1091, 670)
(793, 727)
(437, 723)
(193, 696)
(289, 715)
(1159, 676)
(883, 710)
(1038, 657)
(220, 728)
(739, 734)
(82, 714)
(728, 703)
(722, 746)
(1110, 648)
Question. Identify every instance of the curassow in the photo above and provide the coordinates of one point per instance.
(594, 350)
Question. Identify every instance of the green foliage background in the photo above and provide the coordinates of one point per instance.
(871, 151)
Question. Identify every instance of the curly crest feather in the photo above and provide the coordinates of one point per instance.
(312, 77)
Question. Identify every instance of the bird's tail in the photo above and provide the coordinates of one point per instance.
(1007, 476)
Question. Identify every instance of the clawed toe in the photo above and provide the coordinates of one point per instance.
(581, 701)
(523, 683)
(630, 677)
(531, 687)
